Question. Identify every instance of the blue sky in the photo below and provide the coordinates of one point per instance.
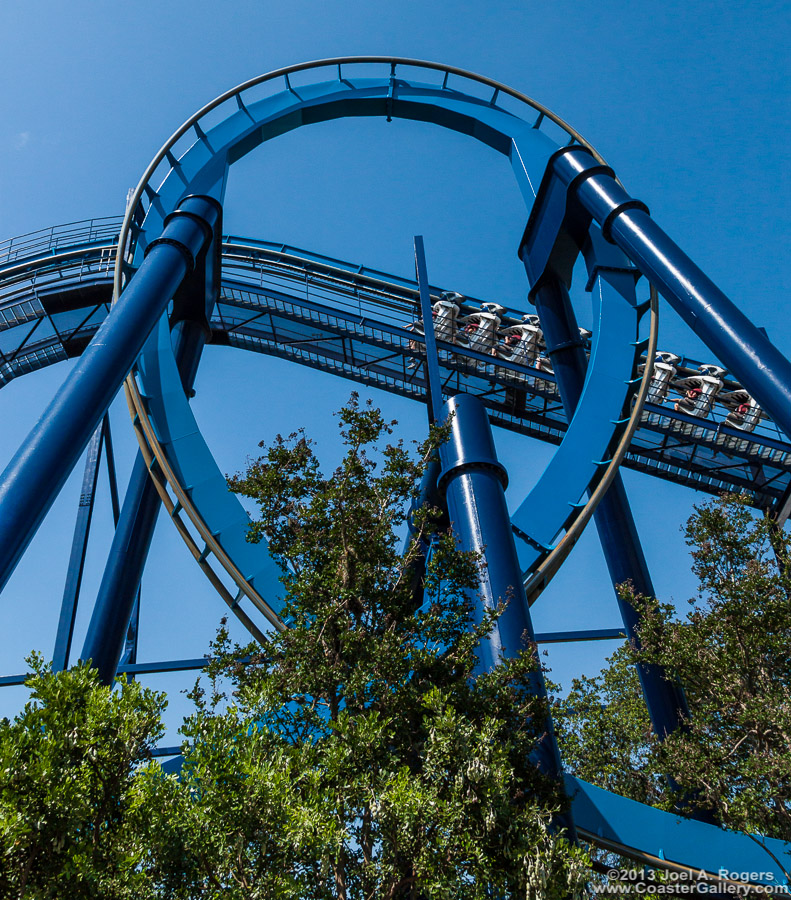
(684, 99)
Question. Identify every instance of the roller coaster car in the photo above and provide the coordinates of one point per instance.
(445, 312)
(481, 328)
(745, 413)
(663, 373)
(698, 391)
(521, 343)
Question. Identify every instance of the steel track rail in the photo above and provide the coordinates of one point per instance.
(256, 263)
(549, 567)
(144, 429)
(167, 484)
(692, 873)
(544, 113)
(9, 273)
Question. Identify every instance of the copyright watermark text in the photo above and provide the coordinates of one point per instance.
(673, 883)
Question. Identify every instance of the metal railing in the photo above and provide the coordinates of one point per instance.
(375, 308)
(71, 235)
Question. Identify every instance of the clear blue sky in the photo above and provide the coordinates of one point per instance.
(684, 99)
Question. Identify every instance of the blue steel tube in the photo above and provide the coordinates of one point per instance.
(37, 472)
(623, 553)
(104, 641)
(121, 579)
(428, 492)
(474, 483)
(726, 331)
(79, 546)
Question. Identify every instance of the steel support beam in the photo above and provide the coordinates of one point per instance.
(115, 603)
(129, 649)
(620, 542)
(79, 546)
(428, 492)
(720, 324)
(572, 637)
(474, 483)
(132, 669)
(112, 632)
(112, 476)
(104, 641)
(433, 380)
(37, 472)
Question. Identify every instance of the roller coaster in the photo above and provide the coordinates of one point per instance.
(135, 300)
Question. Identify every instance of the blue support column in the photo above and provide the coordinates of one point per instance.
(129, 653)
(109, 456)
(79, 545)
(433, 380)
(119, 587)
(727, 332)
(474, 482)
(112, 631)
(429, 492)
(119, 590)
(620, 542)
(37, 472)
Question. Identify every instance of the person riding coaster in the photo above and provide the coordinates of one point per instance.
(481, 328)
(699, 391)
(744, 414)
(664, 371)
(522, 343)
(444, 313)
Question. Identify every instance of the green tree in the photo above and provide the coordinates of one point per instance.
(732, 655)
(358, 754)
(605, 733)
(67, 765)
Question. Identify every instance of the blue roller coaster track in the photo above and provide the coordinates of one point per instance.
(135, 299)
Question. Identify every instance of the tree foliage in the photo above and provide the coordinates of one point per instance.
(604, 732)
(67, 765)
(358, 754)
(732, 655)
